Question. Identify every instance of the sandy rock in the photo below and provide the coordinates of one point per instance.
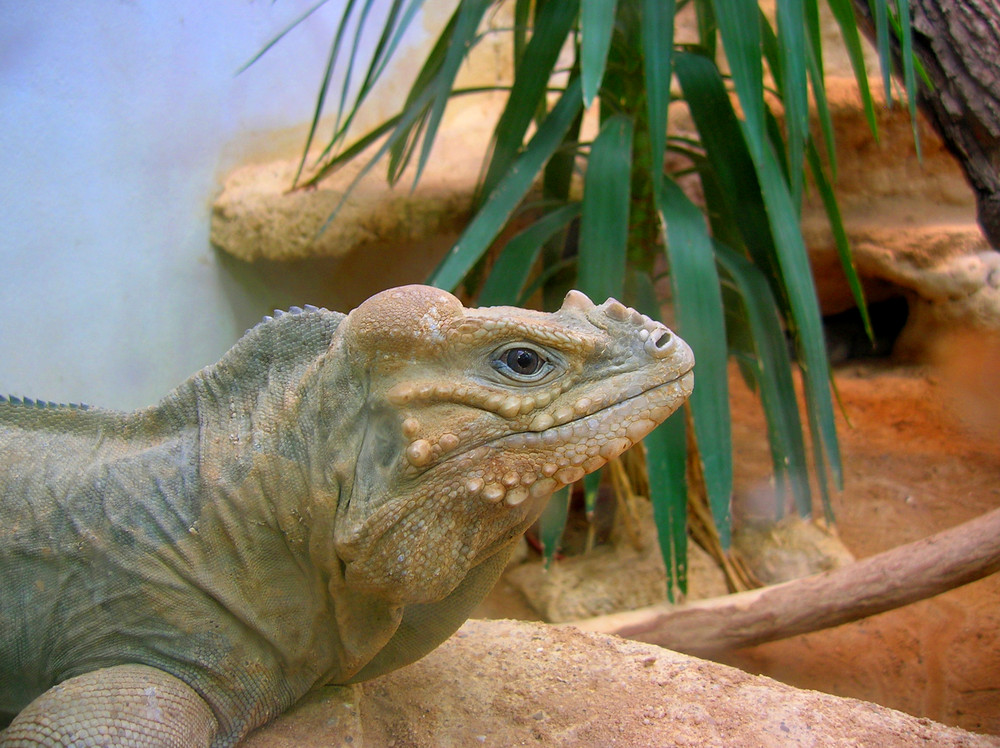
(256, 216)
(911, 222)
(612, 578)
(959, 293)
(506, 683)
(790, 549)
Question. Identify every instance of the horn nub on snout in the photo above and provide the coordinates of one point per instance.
(657, 339)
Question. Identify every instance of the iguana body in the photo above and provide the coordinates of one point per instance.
(326, 503)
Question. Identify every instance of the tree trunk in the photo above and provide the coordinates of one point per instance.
(958, 43)
(873, 585)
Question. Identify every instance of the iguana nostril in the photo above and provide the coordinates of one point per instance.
(660, 343)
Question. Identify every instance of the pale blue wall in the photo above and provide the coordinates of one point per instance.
(114, 118)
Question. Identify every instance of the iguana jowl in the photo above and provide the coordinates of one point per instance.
(326, 503)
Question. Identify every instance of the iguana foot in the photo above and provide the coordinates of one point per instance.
(133, 706)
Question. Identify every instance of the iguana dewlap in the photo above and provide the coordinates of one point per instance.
(326, 503)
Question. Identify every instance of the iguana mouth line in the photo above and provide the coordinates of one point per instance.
(570, 432)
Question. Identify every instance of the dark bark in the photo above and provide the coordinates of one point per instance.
(958, 43)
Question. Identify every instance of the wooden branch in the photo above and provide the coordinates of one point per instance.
(873, 585)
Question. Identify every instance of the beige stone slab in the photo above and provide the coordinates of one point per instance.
(507, 683)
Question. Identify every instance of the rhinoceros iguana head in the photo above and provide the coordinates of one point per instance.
(473, 417)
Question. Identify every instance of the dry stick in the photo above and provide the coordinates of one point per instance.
(873, 585)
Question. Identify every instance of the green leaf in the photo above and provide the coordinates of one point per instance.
(417, 104)
(708, 29)
(393, 30)
(509, 192)
(731, 164)
(469, 14)
(822, 106)
(657, 48)
(324, 87)
(511, 271)
(794, 87)
(552, 522)
(666, 461)
(281, 35)
(522, 14)
(904, 31)
(756, 198)
(739, 28)
(698, 307)
(606, 204)
(798, 281)
(840, 237)
(591, 486)
(843, 11)
(597, 22)
(772, 368)
(552, 25)
(882, 45)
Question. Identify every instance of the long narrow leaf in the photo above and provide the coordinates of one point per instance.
(509, 192)
(522, 12)
(392, 34)
(404, 123)
(657, 48)
(794, 87)
(905, 32)
(324, 87)
(708, 29)
(280, 35)
(553, 24)
(597, 22)
(739, 27)
(822, 106)
(666, 462)
(729, 158)
(801, 289)
(510, 272)
(756, 196)
(882, 46)
(839, 237)
(352, 58)
(773, 376)
(843, 11)
(552, 522)
(469, 14)
(698, 306)
(606, 204)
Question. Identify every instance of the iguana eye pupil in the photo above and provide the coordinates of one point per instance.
(523, 361)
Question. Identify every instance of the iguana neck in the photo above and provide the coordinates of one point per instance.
(254, 457)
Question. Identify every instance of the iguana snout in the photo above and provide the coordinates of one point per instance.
(490, 411)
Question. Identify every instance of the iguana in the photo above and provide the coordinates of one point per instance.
(326, 503)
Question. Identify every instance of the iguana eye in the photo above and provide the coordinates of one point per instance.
(521, 363)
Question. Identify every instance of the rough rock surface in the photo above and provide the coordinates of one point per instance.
(911, 222)
(792, 548)
(257, 216)
(506, 683)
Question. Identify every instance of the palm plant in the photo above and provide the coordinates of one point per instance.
(739, 275)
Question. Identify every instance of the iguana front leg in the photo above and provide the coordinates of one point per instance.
(133, 706)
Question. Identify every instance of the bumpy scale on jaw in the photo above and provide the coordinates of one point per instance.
(556, 440)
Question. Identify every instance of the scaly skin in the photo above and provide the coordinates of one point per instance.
(327, 503)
